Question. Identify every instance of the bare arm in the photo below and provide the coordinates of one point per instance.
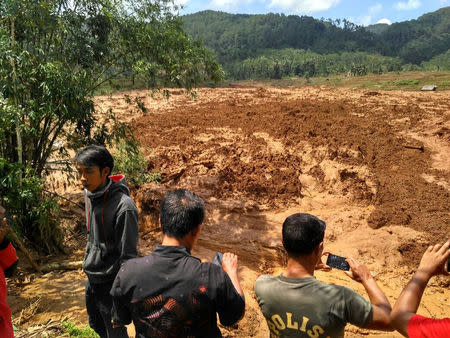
(431, 264)
(230, 266)
(381, 306)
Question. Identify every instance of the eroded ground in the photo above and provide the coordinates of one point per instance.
(374, 165)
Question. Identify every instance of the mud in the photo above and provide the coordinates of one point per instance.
(374, 165)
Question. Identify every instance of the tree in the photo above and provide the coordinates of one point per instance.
(55, 53)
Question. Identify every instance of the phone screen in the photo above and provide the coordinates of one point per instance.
(218, 258)
(448, 264)
(337, 262)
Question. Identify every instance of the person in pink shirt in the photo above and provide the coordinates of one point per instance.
(8, 262)
(403, 315)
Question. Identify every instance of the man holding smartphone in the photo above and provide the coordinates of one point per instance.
(170, 293)
(295, 304)
(404, 317)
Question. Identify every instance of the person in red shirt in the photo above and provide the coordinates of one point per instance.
(8, 262)
(403, 315)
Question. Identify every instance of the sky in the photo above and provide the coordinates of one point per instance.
(362, 12)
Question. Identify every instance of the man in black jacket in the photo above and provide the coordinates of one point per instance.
(112, 227)
(170, 293)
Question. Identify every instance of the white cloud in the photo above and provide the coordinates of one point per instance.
(303, 6)
(366, 20)
(386, 21)
(443, 2)
(375, 9)
(405, 6)
(180, 2)
(227, 5)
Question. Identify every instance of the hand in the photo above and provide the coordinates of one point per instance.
(321, 265)
(230, 263)
(434, 258)
(358, 271)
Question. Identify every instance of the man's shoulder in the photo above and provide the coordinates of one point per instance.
(134, 267)
(264, 279)
(125, 202)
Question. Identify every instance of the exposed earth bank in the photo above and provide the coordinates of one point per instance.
(374, 165)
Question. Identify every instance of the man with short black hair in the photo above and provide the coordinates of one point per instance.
(295, 304)
(170, 293)
(112, 228)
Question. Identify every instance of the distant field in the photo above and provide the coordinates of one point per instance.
(388, 81)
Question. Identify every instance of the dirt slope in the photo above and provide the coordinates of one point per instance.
(373, 165)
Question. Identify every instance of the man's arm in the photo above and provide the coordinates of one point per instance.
(231, 307)
(431, 264)
(381, 306)
(230, 266)
(127, 233)
(120, 312)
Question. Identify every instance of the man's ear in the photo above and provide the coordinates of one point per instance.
(196, 231)
(106, 171)
(319, 249)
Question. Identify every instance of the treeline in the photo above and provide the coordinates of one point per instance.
(239, 36)
(244, 43)
(291, 62)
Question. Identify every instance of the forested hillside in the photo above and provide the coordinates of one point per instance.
(418, 40)
(276, 45)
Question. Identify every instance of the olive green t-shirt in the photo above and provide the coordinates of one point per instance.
(305, 307)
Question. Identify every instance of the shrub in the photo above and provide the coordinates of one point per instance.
(128, 160)
(33, 214)
(74, 331)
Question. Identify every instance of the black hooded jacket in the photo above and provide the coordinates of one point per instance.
(112, 227)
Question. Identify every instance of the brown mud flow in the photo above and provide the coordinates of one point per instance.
(374, 165)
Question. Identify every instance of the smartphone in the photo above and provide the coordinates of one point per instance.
(337, 262)
(448, 264)
(218, 259)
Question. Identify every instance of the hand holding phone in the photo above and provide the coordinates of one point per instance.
(337, 262)
(218, 259)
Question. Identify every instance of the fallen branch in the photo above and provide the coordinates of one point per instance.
(62, 266)
(421, 148)
(23, 249)
(64, 198)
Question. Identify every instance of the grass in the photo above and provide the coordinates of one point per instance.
(410, 81)
(74, 331)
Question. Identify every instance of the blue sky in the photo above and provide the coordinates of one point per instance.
(363, 12)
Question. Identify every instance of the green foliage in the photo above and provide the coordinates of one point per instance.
(290, 62)
(239, 37)
(407, 82)
(438, 63)
(74, 331)
(128, 160)
(33, 214)
(54, 54)
(418, 40)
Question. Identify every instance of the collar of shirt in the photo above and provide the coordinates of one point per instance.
(172, 251)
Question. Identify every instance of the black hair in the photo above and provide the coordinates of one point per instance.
(93, 155)
(181, 212)
(302, 233)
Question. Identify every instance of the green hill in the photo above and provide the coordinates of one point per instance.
(377, 28)
(236, 37)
